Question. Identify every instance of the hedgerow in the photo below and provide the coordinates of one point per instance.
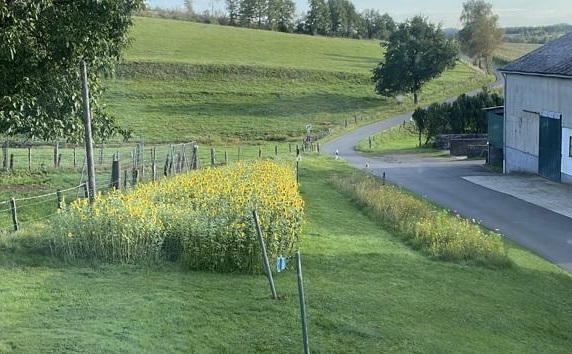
(203, 219)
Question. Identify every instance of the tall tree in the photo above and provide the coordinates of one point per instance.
(318, 18)
(280, 15)
(376, 25)
(344, 20)
(416, 53)
(481, 34)
(41, 45)
(233, 6)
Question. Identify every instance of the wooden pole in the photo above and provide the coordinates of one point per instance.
(11, 162)
(264, 255)
(153, 163)
(305, 338)
(14, 214)
(74, 158)
(115, 173)
(88, 134)
(56, 153)
(213, 157)
(60, 198)
(5, 155)
(29, 158)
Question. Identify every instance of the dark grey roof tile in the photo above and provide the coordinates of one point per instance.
(553, 58)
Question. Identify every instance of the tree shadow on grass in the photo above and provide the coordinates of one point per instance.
(271, 106)
(355, 59)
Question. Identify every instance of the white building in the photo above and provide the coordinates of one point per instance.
(538, 112)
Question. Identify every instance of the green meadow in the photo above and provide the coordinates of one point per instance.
(367, 291)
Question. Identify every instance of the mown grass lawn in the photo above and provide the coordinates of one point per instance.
(366, 293)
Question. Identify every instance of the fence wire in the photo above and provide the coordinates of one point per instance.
(167, 160)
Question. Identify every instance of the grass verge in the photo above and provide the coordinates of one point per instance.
(366, 293)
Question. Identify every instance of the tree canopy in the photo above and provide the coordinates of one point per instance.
(481, 34)
(416, 52)
(42, 43)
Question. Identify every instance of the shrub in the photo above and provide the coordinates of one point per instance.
(202, 219)
(437, 233)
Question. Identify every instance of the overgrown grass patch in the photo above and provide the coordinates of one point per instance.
(436, 233)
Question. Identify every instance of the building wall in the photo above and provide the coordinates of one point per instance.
(526, 97)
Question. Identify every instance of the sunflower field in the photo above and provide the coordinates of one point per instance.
(202, 219)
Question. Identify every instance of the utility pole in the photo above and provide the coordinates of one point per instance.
(88, 135)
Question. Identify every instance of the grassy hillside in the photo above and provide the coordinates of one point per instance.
(158, 40)
(185, 81)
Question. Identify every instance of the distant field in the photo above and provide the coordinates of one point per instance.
(158, 40)
(511, 51)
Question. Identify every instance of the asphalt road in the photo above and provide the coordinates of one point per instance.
(544, 232)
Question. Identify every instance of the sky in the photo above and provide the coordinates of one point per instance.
(447, 12)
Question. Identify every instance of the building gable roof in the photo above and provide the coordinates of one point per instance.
(552, 59)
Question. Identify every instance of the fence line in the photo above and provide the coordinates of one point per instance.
(147, 164)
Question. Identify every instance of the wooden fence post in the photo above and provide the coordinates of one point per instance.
(213, 156)
(11, 162)
(259, 152)
(276, 150)
(14, 213)
(74, 158)
(135, 177)
(153, 163)
(238, 154)
(115, 173)
(5, 155)
(195, 164)
(101, 155)
(225, 158)
(29, 158)
(264, 255)
(60, 198)
(125, 179)
(56, 153)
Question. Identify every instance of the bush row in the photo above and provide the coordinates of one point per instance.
(436, 233)
(202, 219)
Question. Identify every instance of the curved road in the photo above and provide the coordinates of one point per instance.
(540, 230)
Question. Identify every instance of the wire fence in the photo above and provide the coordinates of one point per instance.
(118, 167)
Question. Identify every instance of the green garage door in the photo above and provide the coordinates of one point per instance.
(550, 146)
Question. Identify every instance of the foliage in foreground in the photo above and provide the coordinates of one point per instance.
(41, 45)
(203, 219)
(436, 233)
